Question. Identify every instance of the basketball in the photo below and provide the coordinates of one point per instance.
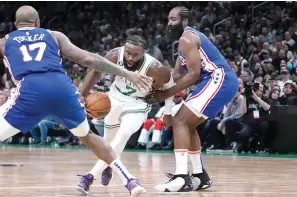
(98, 104)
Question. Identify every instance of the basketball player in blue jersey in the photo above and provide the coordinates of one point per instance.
(199, 62)
(32, 55)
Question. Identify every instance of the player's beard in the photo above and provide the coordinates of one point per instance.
(135, 66)
(174, 32)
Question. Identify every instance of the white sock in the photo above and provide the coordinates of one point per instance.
(195, 157)
(98, 168)
(118, 138)
(121, 170)
(181, 159)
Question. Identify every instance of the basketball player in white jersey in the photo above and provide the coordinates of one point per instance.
(128, 109)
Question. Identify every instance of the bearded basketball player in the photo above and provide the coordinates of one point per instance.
(199, 62)
(128, 108)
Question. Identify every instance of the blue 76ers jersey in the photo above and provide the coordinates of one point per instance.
(31, 50)
(211, 58)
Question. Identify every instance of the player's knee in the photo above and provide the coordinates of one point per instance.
(130, 123)
(177, 120)
(81, 130)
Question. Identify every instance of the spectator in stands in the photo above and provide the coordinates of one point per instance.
(223, 131)
(287, 93)
(40, 131)
(240, 61)
(274, 97)
(285, 74)
(246, 68)
(255, 109)
(288, 39)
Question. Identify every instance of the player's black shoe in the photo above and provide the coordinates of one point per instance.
(201, 181)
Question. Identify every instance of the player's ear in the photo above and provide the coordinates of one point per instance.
(37, 23)
(185, 22)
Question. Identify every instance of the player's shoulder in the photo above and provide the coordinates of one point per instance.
(113, 52)
(188, 39)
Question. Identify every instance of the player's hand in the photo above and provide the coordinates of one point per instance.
(156, 96)
(167, 121)
(140, 81)
(82, 99)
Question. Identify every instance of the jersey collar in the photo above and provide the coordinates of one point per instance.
(26, 28)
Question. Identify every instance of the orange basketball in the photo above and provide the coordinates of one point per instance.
(98, 104)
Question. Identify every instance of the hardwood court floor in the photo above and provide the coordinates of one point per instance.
(52, 172)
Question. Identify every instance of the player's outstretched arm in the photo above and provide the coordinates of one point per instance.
(97, 62)
(93, 76)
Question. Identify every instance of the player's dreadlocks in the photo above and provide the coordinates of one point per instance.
(137, 40)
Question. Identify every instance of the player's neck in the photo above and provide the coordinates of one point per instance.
(26, 26)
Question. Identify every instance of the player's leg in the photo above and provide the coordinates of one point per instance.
(200, 178)
(111, 127)
(210, 99)
(181, 181)
(20, 112)
(130, 123)
(74, 118)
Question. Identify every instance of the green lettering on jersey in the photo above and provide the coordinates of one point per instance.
(130, 90)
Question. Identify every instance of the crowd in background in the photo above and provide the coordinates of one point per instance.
(259, 44)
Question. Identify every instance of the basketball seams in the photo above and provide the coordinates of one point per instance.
(89, 106)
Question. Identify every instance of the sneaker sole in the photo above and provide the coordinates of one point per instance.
(138, 192)
(203, 187)
(82, 190)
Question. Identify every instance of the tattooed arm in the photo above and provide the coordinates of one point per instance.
(97, 62)
(93, 76)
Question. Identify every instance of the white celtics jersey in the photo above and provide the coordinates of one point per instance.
(122, 85)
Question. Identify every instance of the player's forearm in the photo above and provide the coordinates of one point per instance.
(185, 82)
(103, 65)
(169, 101)
(89, 82)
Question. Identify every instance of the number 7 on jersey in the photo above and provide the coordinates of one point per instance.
(39, 45)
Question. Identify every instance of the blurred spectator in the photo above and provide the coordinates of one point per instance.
(40, 131)
(223, 131)
(287, 93)
(255, 109)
